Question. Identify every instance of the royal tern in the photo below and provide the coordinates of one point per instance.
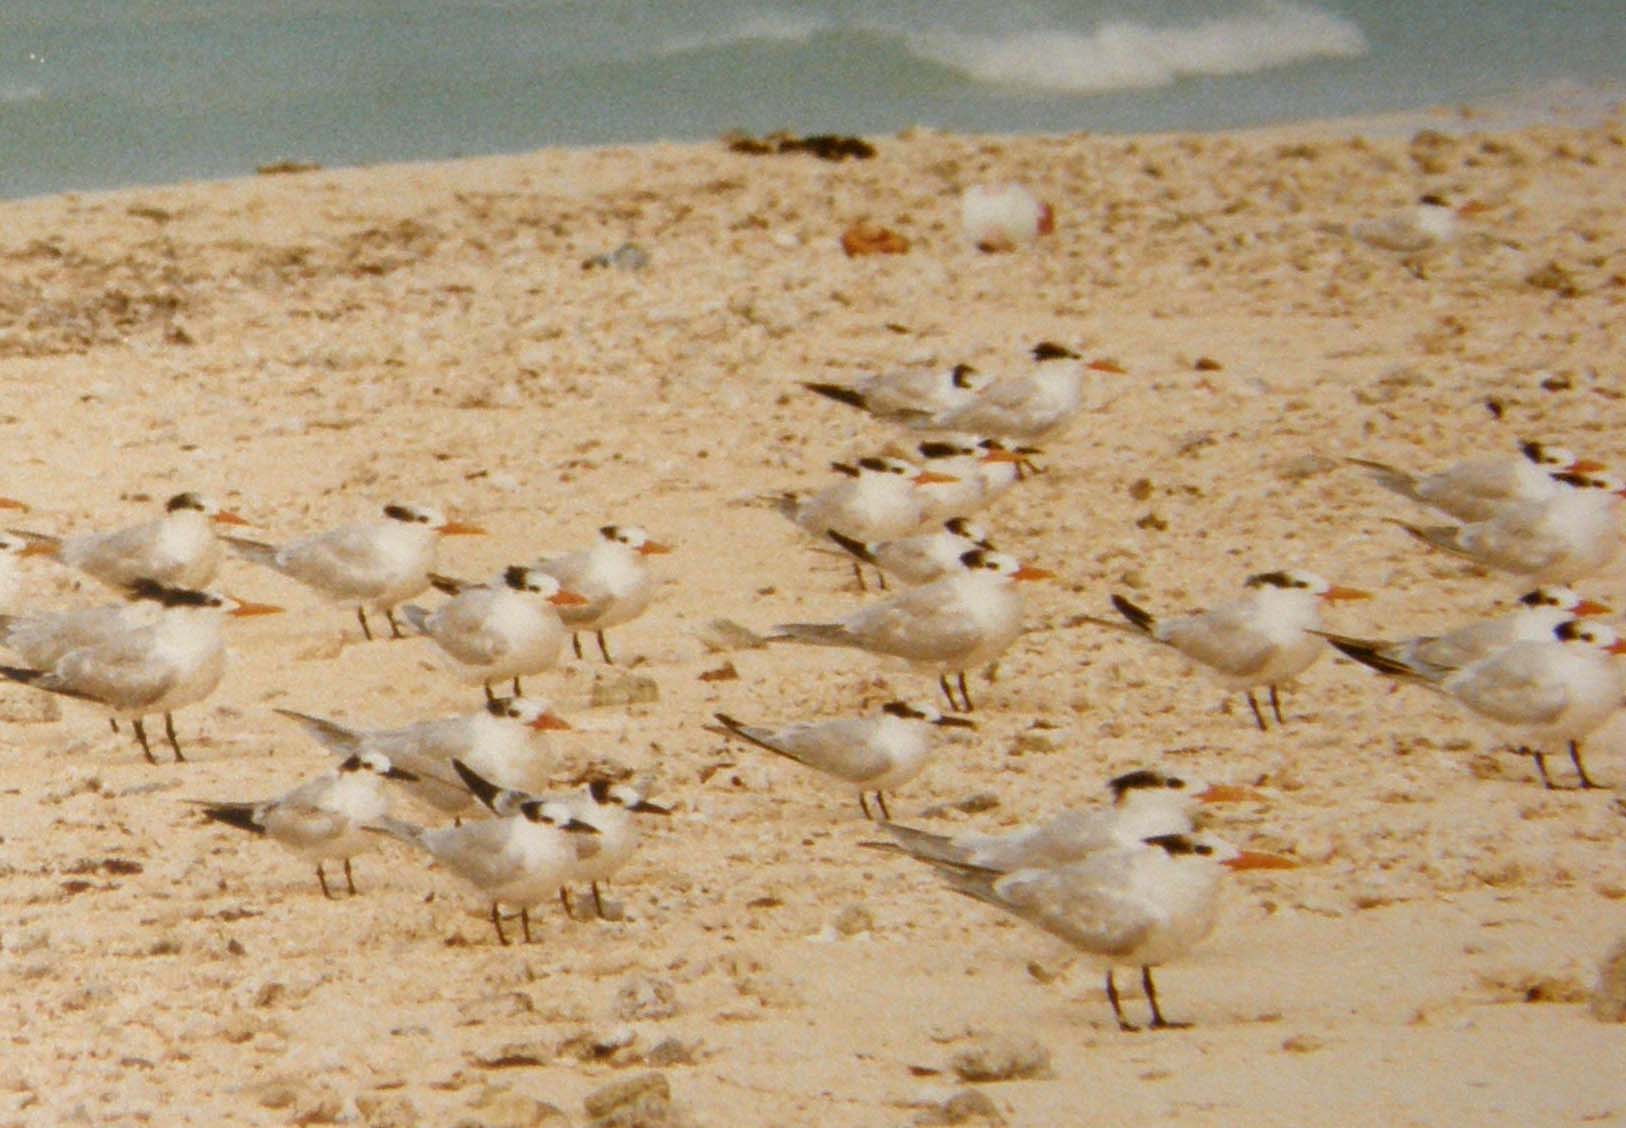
(877, 753)
(1480, 488)
(1263, 640)
(1145, 803)
(1428, 223)
(984, 469)
(1030, 405)
(906, 395)
(505, 741)
(921, 558)
(1003, 217)
(1143, 905)
(179, 549)
(519, 859)
(377, 564)
(320, 820)
(611, 576)
(1538, 613)
(952, 625)
(509, 628)
(175, 660)
(1550, 692)
(1561, 539)
(609, 808)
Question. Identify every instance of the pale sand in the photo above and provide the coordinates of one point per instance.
(309, 346)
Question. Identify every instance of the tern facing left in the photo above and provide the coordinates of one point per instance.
(958, 623)
(321, 820)
(1263, 640)
(173, 661)
(878, 753)
(1143, 905)
(612, 579)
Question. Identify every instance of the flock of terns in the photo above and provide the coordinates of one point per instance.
(1131, 884)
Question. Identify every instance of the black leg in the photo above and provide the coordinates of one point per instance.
(489, 695)
(1257, 715)
(349, 878)
(169, 731)
(518, 692)
(322, 880)
(604, 648)
(863, 805)
(858, 574)
(564, 899)
(943, 683)
(1580, 768)
(113, 723)
(880, 578)
(361, 616)
(1158, 1021)
(1117, 1007)
(576, 644)
(965, 694)
(395, 628)
(525, 923)
(1541, 767)
(1276, 706)
(141, 739)
(598, 903)
(496, 922)
(881, 799)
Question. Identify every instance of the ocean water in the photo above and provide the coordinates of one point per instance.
(102, 93)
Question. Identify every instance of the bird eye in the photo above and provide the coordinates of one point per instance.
(1177, 784)
(1205, 850)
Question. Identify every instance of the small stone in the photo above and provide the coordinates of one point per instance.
(723, 635)
(1305, 466)
(854, 919)
(610, 1046)
(489, 1008)
(1207, 364)
(1608, 1002)
(672, 1051)
(647, 1092)
(500, 1107)
(388, 1110)
(645, 998)
(22, 706)
(867, 238)
(1303, 1044)
(1041, 740)
(514, 1055)
(623, 689)
(1000, 1057)
(962, 1108)
(1141, 489)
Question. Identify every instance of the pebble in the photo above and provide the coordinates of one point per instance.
(624, 689)
(1001, 1057)
(1608, 1001)
(963, 1107)
(647, 998)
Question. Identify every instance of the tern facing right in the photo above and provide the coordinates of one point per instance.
(179, 549)
(1552, 691)
(321, 820)
(612, 579)
(875, 754)
(1143, 905)
(958, 623)
(921, 558)
(905, 395)
(376, 564)
(1262, 640)
(1033, 404)
(1479, 488)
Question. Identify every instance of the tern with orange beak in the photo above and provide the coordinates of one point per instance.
(611, 576)
(1040, 401)
(1263, 640)
(1481, 487)
(1550, 692)
(1142, 905)
(506, 741)
(179, 549)
(158, 667)
(961, 622)
(377, 564)
(509, 628)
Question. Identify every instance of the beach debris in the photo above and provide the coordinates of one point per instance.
(625, 689)
(628, 256)
(1003, 217)
(866, 238)
(1001, 1057)
(1608, 1002)
(644, 1099)
(963, 1107)
(825, 146)
(286, 168)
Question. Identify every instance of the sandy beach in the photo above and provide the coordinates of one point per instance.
(306, 347)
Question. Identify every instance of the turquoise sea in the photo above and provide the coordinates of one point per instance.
(101, 93)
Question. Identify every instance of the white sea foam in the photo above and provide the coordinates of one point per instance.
(1125, 54)
(17, 95)
(767, 26)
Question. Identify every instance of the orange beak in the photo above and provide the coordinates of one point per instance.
(11, 503)
(1618, 646)
(1248, 860)
(39, 548)
(243, 610)
(1587, 607)
(1000, 454)
(1585, 466)
(227, 517)
(567, 599)
(1047, 220)
(1225, 793)
(1335, 594)
(551, 721)
(1473, 208)
(1028, 573)
(460, 529)
(654, 548)
(1103, 365)
(932, 478)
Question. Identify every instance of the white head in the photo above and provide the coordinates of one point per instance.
(378, 764)
(634, 538)
(925, 714)
(1562, 599)
(1297, 582)
(532, 712)
(982, 561)
(534, 581)
(205, 507)
(188, 600)
(623, 795)
(1581, 632)
(1215, 850)
(428, 517)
